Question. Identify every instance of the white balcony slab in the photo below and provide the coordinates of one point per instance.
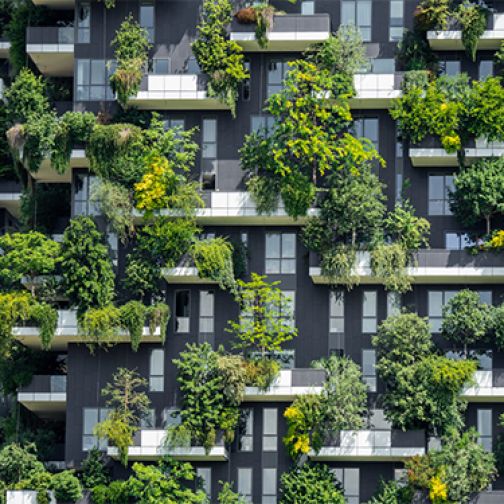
(451, 40)
(483, 389)
(56, 4)
(4, 49)
(295, 41)
(43, 402)
(67, 332)
(25, 497)
(55, 60)
(152, 447)
(12, 202)
(184, 275)
(375, 91)
(438, 157)
(46, 172)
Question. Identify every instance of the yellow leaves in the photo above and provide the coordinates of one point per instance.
(292, 413)
(443, 107)
(438, 490)
(151, 191)
(497, 240)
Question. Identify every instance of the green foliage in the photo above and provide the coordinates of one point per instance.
(422, 388)
(46, 318)
(433, 14)
(158, 315)
(311, 483)
(466, 320)
(264, 19)
(86, 267)
(100, 326)
(308, 140)
(414, 52)
(214, 260)
(405, 228)
(27, 255)
(117, 492)
(340, 406)
(462, 465)
(478, 193)
(66, 486)
(218, 57)
(261, 372)
(227, 496)
(131, 49)
(129, 404)
(473, 18)
(206, 407)
(114, 202)
(94, 470)
(337, 264)
(18, 463)
(392, 492)
(342, 53)
(141, 276)
(240, 258)
(167, 482)
(266, 320)
(133, 317)
(389, 264)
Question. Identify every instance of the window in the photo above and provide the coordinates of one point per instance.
(381, 66)
(307, 7)
(156, 371)
(270, 440)
(451, 68)
(457, 241)
(160, 66)
(205, 474)
(396, 19)
(277, 70)
(84, 23)
(368, 369)
(485, 69)
(485, 428)
(209, 154)
(438, 299)
(85, 185)
(367, 128)
(149, 420)
(280, 253)
(174, 123)
(246, 440)
(245, 482)
(269, 485)
(182, 311)
(93, 80)
(349, 478)
(369, 299)
(393, 303)
(171, 417)
(439, 194)
(206, 312)
(399, 170)
(245, 85)
(358, 13)
(258, 122)
(92, 416)
(336, 312)
(147, 19)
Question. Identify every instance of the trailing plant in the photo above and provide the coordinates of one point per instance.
(261, 373)
(389, 263)
(214, 260)
(114, 202)
(14, 307)
(414, 53)
(338, 266)
(264, 13)
(266, 316)
(133, 316)
(314, 482)
(129, 403)
(433, 14)
(472, 15)
(46, 318)
(100, 326)
(217, 56)
(86, 267)
(131, 49)
(158, 315)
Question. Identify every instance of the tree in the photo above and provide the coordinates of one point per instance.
(18, 463)
(479, 192)
(27, 255)
(462, 467)
(88, 275)
(266, 316)
(466, 320)
(94, 470)
(308, 140)
(129, 404)
(311, 483)
(227, 496)
(392, 492)
(165, 483)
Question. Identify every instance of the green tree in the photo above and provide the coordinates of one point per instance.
(266, 316)
(94, 470)
(88, 275)
(27, 255)
(18, 463)
(66, 486)
(227, 496)
(479, 192)
(165, 483)
(310, 484)
(392, 492)
(466, 320)
(129, 404)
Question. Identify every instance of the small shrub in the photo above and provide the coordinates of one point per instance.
(66, 486)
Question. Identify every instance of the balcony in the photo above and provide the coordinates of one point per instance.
(149, 445)
(289, 32)
(46, 172)
(25, 497)
(185, 273)
(56, 4)
(376, 91)
(289, 384)
(489, 387)
(372, 446)
(431, 267)
(451, 40)
(175, 92)
(68, 332)
(10, 196)
(45, 395)
(4, 49)
(430, 153)
(52, 49)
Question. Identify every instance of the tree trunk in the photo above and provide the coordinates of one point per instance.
(487, 220)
